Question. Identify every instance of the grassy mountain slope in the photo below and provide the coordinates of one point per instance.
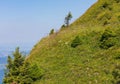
(87, 63)
(104, 12)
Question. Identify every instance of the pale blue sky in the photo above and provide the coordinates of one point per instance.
(24, 22)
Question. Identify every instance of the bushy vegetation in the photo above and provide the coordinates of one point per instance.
(118, 1)
(51, 32)
(63, 27)
(116, 75)
(20, 72)
(108, 39)
(76, 41)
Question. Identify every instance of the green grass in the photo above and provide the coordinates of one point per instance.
(104, 12)
(87, 63)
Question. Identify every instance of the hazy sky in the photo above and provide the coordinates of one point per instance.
(26, 21)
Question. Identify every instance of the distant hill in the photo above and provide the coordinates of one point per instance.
(86, 52)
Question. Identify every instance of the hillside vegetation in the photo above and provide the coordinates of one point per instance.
(86, 52)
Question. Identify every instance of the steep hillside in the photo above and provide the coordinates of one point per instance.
(104, 12)
(88, 52)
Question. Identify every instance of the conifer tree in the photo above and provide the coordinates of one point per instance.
(18, 71)
(9, 68)
(68, 18)
(13, 66)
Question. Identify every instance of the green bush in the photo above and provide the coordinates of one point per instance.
(116, 75)
(76, 41)
(118, 57)
(117, 1)
(108, 39)
(35, 72)
(51, 31)
(63, 27)
(105, 5)
(119, 17)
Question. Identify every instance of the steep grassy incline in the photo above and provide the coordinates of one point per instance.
(87, 63)
(104, 12)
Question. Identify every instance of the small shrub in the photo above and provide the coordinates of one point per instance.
(119, 17)
(51, 32)
(116, 75)
(105, 23)
(118, 57)
(62, 27)
(117, 1)
(76, 41)
(108, 39)
(35, 72)
(105, 5)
